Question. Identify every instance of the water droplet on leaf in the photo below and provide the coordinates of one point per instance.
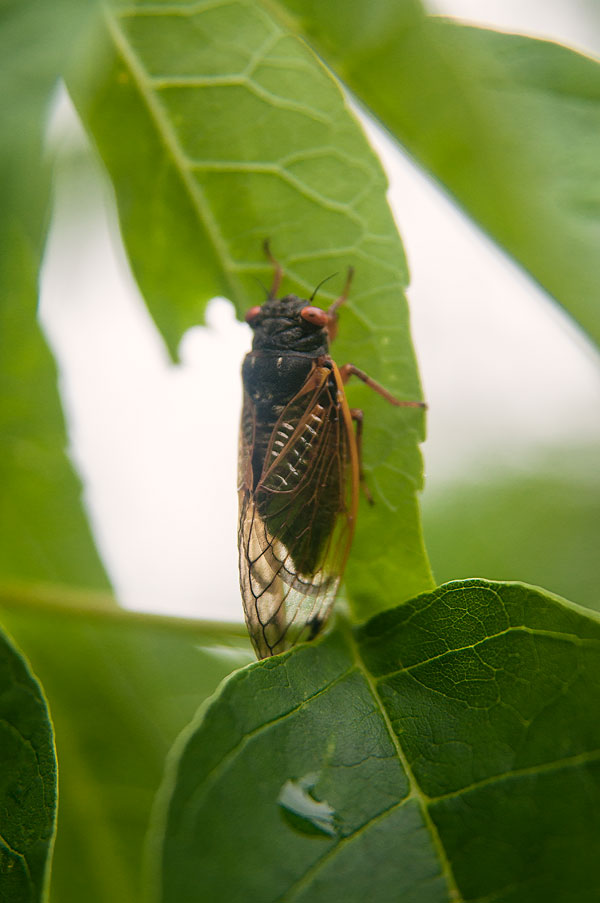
(303, 811)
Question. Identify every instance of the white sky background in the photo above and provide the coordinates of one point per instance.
(505, 373)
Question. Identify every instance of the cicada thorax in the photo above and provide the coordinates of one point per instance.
(271, 380)
(294, 456)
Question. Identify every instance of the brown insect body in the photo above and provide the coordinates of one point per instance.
(298, 477)
(299, 470)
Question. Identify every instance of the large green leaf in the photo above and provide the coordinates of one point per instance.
(447, 750)
(510, 125)
(44, 535)
(219, 129)
(27, 781)
(121, 687)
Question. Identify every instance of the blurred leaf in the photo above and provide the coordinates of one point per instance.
(220, 129)
(44, 533)
(449, 741)
(121, 687)
(542, 526)
(27, 781)
(510, 125)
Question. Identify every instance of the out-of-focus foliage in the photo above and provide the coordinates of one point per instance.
(508, 124)
(465, 713)
(540, 524)
(44, 534)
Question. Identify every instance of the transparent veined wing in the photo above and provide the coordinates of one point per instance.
(296, 523)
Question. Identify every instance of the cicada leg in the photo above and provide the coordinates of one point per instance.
(346, 372)
(345, 292)
(332, 310)
(349, 370)
(277, 270)
(357, 416)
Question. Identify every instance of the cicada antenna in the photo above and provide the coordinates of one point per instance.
(322, 282)
(262, 285)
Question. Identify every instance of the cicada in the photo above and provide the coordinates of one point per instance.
(299, 468)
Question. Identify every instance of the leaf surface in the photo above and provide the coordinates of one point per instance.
(219, 129)
(121, 687)
(447, 747)
(27, 781)
(508, 124)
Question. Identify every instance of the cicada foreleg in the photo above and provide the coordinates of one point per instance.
(345, 292)
(357, 416)
(277, 269)
(332, 310)
(349, 370)
(346, 372)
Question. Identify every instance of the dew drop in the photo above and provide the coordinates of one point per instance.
(303, 811)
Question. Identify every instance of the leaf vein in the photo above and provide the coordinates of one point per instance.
(515, 628)
(187, 10)
(21, 857)
(209, 778)
(171, 143)
(275, 170)
(533, 770)
(161, 83)
(306, 879)
(454, 893)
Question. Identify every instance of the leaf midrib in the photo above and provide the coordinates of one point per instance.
(415, 793)
(169, 138)
(454, 894)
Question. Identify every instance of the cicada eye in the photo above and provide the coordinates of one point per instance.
(252, 314)
(315, 315)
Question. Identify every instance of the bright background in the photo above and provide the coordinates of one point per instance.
(155, 443)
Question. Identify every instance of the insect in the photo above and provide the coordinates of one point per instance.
(299, 469)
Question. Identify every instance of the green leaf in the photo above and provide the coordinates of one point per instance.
(121, 687)
(450, 744)
(27, 781)
(44, 533)
(510, 125)
(220, 129)
(541, 525)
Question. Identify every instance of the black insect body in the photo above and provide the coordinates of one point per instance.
(299, 470)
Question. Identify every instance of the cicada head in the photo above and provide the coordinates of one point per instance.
(290, 324)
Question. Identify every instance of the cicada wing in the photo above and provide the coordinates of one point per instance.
(245, 446)
(280, 606)
(296, 526)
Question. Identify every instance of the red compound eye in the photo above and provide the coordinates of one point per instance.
(315, 315)
(252, 314)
